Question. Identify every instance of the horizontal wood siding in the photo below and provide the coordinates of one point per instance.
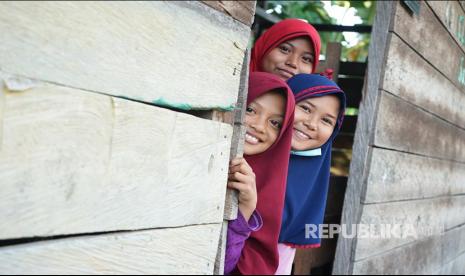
(416, 161)
(186, 250)
(178, 54)
(79, 162)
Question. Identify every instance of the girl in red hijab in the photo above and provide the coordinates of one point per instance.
(288, 48)
(269, 120)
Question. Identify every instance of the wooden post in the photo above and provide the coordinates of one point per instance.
(343, 263)
(333, 60)
(237, 150)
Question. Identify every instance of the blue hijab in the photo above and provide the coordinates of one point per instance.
(309, 171)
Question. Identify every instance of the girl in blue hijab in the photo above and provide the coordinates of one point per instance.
(320, 107)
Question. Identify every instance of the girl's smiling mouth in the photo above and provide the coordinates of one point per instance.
(301, 135)
(251, 139)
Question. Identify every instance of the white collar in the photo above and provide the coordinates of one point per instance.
(313, 152)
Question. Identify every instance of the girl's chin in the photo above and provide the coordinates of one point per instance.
(252, 149)
(248, 149)
(302, 147)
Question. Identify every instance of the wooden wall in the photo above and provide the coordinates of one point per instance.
(101, 168)
(409, 154)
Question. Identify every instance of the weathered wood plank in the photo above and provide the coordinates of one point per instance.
(243, 11)
(231, 204)
(451, 14)
(333, 59)
(419, 219)
(407, 128)
(462, 4)
(2, 109)
(359, 168)
(78, 162)
(187, 250)
(415, 80)
(221, 250)
(422, 257)
(455, 267)
(396, 176)
(441, 51)
(165, 53)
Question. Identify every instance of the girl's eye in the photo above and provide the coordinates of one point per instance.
(328, 121)
(284, 49)
(305, 108)
(249, 110)
(308, 59)
(276, 124)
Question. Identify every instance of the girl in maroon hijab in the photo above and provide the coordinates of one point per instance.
(269, 119)
(288, 48)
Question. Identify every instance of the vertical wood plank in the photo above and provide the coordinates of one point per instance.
(237, 150)
(333, 59)
(364, 136)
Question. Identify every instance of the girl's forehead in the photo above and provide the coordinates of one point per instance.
(271, 100)
(325, 102)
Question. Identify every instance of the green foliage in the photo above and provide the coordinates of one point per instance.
(314, 12)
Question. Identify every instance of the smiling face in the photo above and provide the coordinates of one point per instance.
(264, 118)
(314, 122)
(291, 57)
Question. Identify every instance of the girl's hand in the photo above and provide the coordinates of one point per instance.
(242, 178)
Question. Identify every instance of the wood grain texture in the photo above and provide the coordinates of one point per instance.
(360, 165)
(2, 111)
(238, 139)
(426, 217)
(462, 4)
(231, 205)
(187, 250)
(79, 162)
(412, 170)
(430, 39)
(422, 257)
(333, 57)
(243, 11)
(412, 78)
(396, 176)
(404, 127)
(452, 16)
(455, 267)
(221, 250)
(175, 54)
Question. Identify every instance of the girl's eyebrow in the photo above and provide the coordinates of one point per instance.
(273, 114)
(329, 115)
(278, 114)
(293, 46)
(256, 103)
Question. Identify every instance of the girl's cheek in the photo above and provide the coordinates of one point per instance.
(274, 137)
(247, 120)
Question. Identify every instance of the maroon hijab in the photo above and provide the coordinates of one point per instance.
(280, 32)
(260, 253)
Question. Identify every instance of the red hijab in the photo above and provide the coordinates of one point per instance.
(260, 253)
(280, 32)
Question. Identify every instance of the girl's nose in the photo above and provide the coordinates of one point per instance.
(259, 125)
(311, 123)
(292, 61)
